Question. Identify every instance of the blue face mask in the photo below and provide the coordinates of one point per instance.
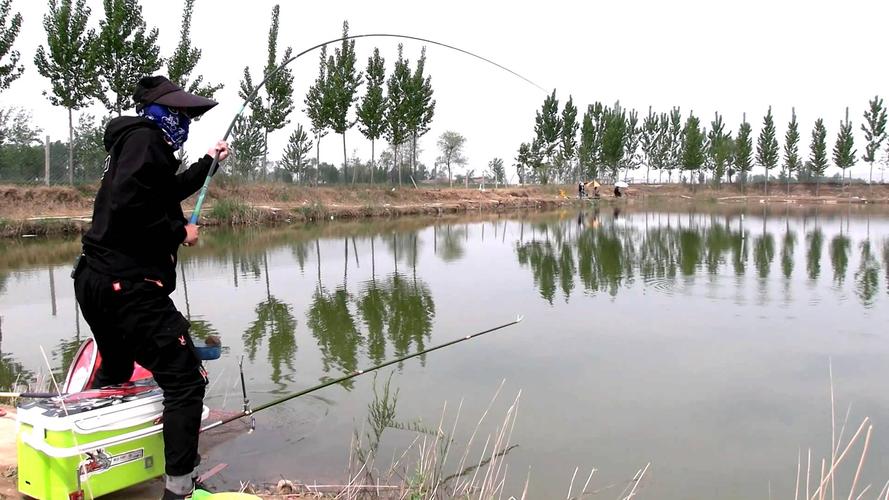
(172, 122)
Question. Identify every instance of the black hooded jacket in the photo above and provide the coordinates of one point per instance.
(138, 222)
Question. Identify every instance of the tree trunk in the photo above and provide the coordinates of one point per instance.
(317, 159)
(870, 181)
(318, 254)
(345, 162)
(395, 161)
(450, 179)
(765, 183)
(70, 147)
(414, 156)
(372, 162)
(265, 154)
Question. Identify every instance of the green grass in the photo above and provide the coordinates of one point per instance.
(231, 212)
(314, 211)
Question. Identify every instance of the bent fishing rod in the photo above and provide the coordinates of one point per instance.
(215, 164)
(247, 412)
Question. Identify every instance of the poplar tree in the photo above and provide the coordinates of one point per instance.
(598, 116)
(247, 145)
(675, 156)
(497, 171)
(396, 106)
(767, 147)
(125, 50)
(185, 58)
(10, 70)
(451, 146)
(693, 145)
(372, 111)
(548, 129)
(523, 162)
(818, 152)
(663, 149)
(719, 148)
(649, 140)
(631, 143)
(586, 151)
(791, 148)
(874, 128)
(420, 106)
(318, 108)
(343, 80)
(614, 138)
(66, 62)
(568, 142)
(744, 151)
(272, 110)
(299, 145)
(844, 150)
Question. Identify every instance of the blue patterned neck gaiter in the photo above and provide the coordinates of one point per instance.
(173, 123)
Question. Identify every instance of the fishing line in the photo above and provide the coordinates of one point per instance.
(249, 412)
(215, 164)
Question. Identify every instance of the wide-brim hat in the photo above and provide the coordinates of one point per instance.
(160, 90)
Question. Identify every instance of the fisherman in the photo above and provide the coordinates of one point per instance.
(127, 271)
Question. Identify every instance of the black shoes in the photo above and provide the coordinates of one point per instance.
(169, 495)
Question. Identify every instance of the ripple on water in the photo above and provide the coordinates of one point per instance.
(304, 412)
(661, 284)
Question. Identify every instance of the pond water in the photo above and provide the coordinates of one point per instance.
(697, 340)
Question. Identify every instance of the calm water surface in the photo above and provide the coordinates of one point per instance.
(696, 340)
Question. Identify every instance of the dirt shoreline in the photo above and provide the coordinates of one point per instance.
(46, 211)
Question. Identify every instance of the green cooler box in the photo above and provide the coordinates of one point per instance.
(90, 446)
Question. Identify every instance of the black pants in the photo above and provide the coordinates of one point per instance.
(136, 321)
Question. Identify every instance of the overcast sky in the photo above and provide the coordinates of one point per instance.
(734, 57)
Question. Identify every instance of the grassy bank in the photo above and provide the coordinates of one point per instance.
(61, 210)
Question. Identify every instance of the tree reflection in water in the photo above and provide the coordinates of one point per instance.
(12, 373)
(839, 257)
(886, 262)
(815, 239)
(607, 254)
(868, 275)
(274, 320)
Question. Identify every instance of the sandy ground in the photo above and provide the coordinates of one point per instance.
(7, 453)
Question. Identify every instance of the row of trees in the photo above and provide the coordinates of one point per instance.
(399, 108)
(84, 65)
(613, 139)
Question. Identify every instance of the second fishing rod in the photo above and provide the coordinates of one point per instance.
(248, 412)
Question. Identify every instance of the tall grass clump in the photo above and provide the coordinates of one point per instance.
(232, 212)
